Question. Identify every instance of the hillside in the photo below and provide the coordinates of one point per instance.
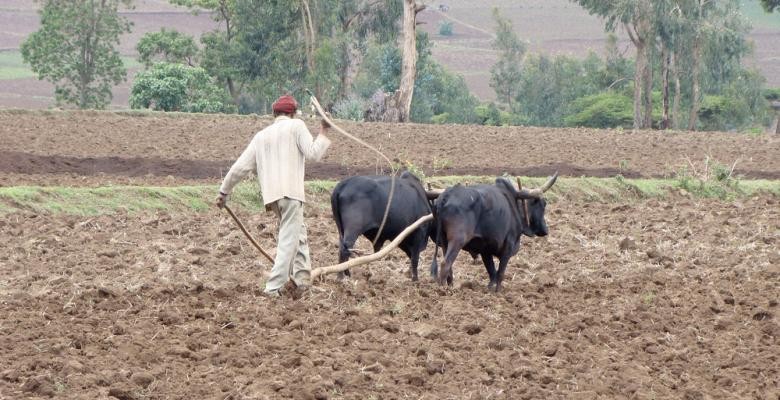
(549, 26)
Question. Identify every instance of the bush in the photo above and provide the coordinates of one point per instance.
(488, 114)
(445, 28)
(176, 87)
(772, 94)
(442, 118)
(603, 110)
(351, 108)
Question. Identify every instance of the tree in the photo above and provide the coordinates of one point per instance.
(352, 24)
(75, 50)
(178, 87)
(219, 46)
(708, 39)
(169, 46)
(409, 64)
(637, 19)
(770, 5)
(505, 73)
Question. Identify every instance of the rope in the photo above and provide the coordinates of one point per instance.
(389, 163)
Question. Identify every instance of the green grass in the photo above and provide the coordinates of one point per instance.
(111, 199)
(13, 67)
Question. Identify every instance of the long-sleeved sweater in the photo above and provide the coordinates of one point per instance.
(278, 153)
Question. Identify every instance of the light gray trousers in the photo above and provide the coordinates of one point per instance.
(292, 249)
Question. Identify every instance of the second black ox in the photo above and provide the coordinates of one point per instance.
(359, 202)
(487, 220)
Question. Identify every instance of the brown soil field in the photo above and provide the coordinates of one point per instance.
(631, 298)
(168, 306)
(90, 147)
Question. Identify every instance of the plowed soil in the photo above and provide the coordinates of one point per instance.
(641, 299)
(202, 147)
(635, 298)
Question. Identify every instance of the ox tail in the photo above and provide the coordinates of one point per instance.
(336, 209)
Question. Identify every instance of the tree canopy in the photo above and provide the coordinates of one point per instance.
(75, 49)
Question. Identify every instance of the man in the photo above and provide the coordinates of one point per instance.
(277, 154)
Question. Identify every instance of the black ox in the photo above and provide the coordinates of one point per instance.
(359, 202)
(487, 220)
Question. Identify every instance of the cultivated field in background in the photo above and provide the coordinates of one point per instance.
(550, 26)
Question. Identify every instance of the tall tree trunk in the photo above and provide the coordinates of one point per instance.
(409, 65)
(694, 116)
(665, 63)
(232, 90)
(648, 90)
(639, 68)
(310, 36)
(677, 91)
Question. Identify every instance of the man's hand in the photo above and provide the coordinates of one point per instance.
(221, 200)
(323, 123)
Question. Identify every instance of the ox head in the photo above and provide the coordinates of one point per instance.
(532, 204)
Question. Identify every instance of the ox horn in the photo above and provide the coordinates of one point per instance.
(538, 192)
(433, 194)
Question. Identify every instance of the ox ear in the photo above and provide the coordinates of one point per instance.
(505, 184)
(409, 175)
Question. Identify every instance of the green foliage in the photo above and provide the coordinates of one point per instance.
(505, 73)
(772, 94)
(488, 114)
(445, 28)
(166, 45)
(770, 5)
(709, 179)
(442, 118)
(410, 166)
(324, 77)
(548, 87)
(351, 108)
(603, 110)
(380, 69)
(740, 104)
(436, 91)
(177, 87)
(75, 49)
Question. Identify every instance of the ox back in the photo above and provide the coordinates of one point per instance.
(485, 220)
(358, 204)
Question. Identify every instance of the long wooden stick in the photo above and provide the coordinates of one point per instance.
(327, 119)
(372, 257)
(248, 236)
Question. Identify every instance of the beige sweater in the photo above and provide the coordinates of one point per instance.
(278, 154)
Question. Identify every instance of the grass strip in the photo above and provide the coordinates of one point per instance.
(111, 199)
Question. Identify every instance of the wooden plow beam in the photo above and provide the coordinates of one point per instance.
(317, 272)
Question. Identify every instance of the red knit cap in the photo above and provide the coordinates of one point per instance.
(285, 104)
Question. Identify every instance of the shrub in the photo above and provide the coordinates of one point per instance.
(772, 94)
(488, 114)
(445, 28)
(351, 108)
(442, 118)
(603, 110)
(177, 87)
